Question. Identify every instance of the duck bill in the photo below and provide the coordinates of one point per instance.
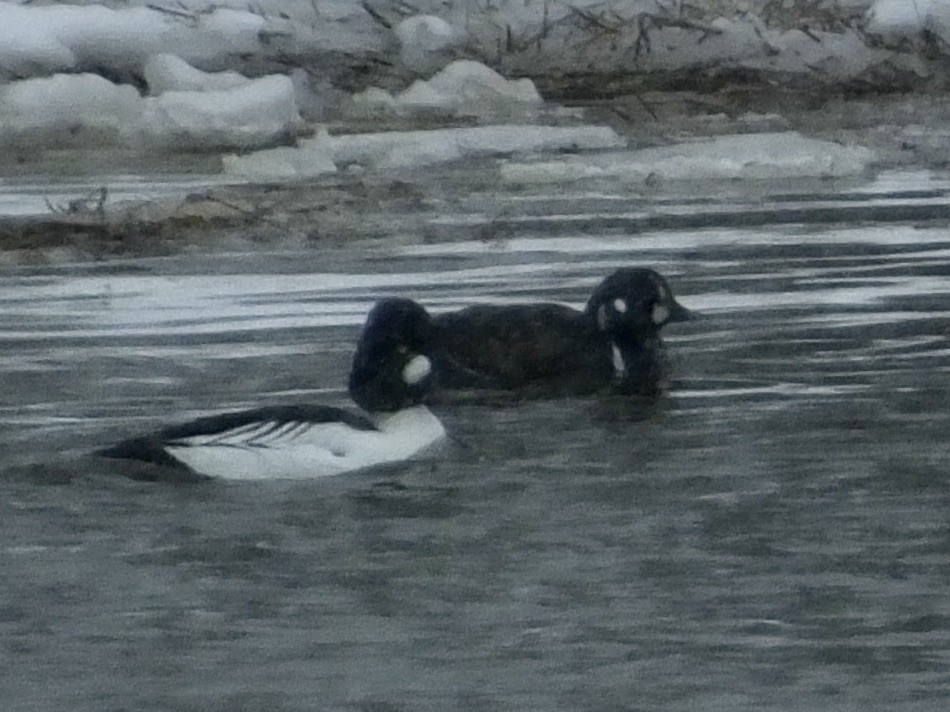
(680, 313)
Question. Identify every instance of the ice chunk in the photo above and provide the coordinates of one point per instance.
(166, 72)
(75, 109)
(27, 48)
(418, 148)
(413, 149)
(256, 114)
(753, 156)
(283, 163)
(470, 88)
(425, 43)
(41, 39)
(85, 109)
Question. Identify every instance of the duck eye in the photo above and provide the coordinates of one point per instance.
(402, 349)
(620, 306)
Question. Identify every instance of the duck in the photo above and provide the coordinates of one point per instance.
(552, 349)
(391, 376)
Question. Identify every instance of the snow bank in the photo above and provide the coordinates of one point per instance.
(87, 110)
(463, 88)
(412, 149)
(752, 156)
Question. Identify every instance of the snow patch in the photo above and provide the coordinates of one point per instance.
(753, 156)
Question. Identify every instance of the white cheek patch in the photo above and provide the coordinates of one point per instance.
(602, 317)
(417, 369)
(620, 305)
(619, 366)
(660, 314)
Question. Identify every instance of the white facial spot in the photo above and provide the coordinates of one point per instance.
(620, 305)
(602, 317)
(417, 369)
(619, 366)
(660, 314)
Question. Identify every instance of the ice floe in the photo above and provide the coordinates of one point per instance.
(412, 149)
(752, 156)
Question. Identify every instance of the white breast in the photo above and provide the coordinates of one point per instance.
(302, 450)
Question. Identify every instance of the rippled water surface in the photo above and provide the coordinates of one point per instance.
(772, 535)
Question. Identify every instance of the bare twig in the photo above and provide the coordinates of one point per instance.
(179, 14)
(94, 202)
(372, 12)
(808, 31)
(592, 19)
(645, 105)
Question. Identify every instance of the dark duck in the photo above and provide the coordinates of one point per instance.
(551, 349)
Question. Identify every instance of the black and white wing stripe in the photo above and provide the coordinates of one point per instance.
(270, 427)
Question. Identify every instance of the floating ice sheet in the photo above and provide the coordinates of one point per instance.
(751, 156)
(411, 149)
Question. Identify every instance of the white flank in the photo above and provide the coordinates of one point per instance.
(301, 450)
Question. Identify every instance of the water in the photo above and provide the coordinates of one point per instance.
(772, 535)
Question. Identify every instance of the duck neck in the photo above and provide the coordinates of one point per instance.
(635, 357)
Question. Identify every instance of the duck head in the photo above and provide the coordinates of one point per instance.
(630, 307)
(391, 369)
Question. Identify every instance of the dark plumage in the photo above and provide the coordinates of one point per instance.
(615, 340)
